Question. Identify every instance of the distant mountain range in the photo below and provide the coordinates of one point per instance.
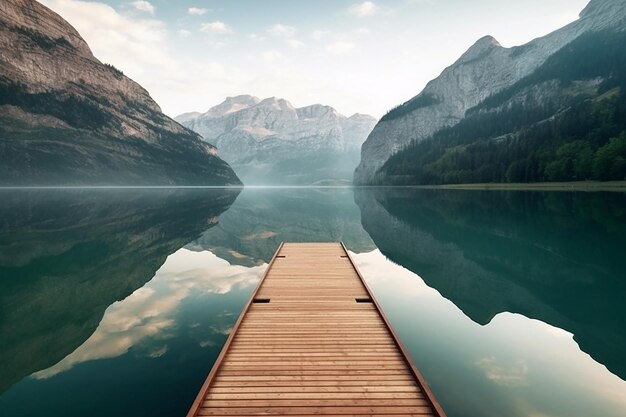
(271, 142)
(550, 110)
(68, 119)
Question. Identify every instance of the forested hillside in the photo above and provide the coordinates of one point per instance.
(564, 122)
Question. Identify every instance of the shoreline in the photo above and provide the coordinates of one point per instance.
(588, 186)
(614, 186)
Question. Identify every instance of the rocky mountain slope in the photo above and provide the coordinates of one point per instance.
(485, 70)
(564, 122)
(66, 118)
(270, 141)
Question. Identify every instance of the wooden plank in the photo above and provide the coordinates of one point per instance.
(436, 407)
(313, 374)
(365, 400)
(314, 380)
(311, 349)
(339, 397)
(314, 410)
(216, 389)
(193, 411)
(305, 379)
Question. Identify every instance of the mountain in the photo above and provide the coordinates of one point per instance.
(68, 119)
(271, 142)
(521, 88)
(78, 252)
(492, 252)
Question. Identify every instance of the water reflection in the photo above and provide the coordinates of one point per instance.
(65, 256)
(513, 366)
(250, 232)
(130, 296)
(150, 312)
(556, 257)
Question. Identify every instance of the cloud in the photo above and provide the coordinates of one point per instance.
(256, 37)
(281, 31)
(319, 34)
(286, 32)
(271, 57)
(339, 47)
(143, 6)
(197, 11)
(184, 33)
(422, 1)
(216, 27)
(294, 43)
(158, 56)
(137, 46)
(365, 9)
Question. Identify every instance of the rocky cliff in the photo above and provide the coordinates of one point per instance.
(486, 69)
(564, 122)
(270, 141)
(66, 118)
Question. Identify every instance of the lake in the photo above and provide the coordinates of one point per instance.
(116, 302)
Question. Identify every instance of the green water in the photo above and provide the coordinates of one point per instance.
(117, 302)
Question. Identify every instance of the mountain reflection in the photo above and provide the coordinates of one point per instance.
(65, 256)
(556, 257)
(249, 233)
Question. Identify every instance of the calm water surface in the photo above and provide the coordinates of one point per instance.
(117, 302)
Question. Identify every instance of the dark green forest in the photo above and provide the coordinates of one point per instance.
(569, 132)
(76, 112)
(410, 106)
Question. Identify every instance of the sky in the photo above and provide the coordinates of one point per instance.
(357, 56)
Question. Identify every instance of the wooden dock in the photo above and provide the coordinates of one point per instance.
(312, 340)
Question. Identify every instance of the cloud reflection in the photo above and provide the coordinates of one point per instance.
(379, 269)
(531, 368)
(504, 374)
(149, 311)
